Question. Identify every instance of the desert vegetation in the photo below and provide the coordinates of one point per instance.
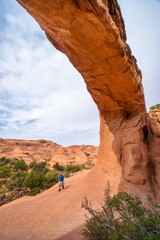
(123, 216)
(18, 179)
(157, 106)
(68, 168)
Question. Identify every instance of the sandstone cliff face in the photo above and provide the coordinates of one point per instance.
(91, 33)
(154, 148)
(42, 150)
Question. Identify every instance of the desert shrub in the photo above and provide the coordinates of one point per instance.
(58, 167)
(123, 216)
(40, 167)
(157, 106)
(5, 171)
(34, 180)
(66, 174)
(52, 178)
(32, 164)
(19, 164)
(69, 168)
(47, 185)
(16, 181)
(34, 191)
(11, 185)
(4, 161)
(74, 168)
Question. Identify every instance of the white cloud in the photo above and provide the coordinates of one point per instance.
(44, 96)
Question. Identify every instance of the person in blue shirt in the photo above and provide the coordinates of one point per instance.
(61, 181)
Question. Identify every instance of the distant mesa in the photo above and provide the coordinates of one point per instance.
(43, 150)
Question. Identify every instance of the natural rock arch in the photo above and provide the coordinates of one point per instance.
(92, 34)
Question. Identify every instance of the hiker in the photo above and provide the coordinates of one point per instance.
(61, 181)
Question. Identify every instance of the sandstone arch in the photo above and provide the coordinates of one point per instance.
(92, 34)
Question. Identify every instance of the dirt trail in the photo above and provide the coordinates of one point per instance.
(52, 214)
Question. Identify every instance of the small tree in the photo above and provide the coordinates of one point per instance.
(5, 171)
(17, 180)
(157, 106)
(74, 168)
(52, 177)
(34, 180)
(123, 217)
(58, 167)
(32, 164)
(4, 161)
(40, 167)
(19, 165)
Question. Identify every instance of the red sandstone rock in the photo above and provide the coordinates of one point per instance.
(42, 150)
(91, 33)
(154, 149)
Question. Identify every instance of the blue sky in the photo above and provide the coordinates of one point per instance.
(42, 96)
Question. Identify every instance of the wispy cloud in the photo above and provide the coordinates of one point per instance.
(41, 95)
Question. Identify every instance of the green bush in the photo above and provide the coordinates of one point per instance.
(40, 167)
(52, 177)
(34, 191)
(74, 168)
(122, 217)
(32, 164)
(11, 185)
(157, 106)
(5, 171)
(66, 174)
(4, 161)
(16, 181)
(47, 185)
(19, 165)
(58, 167)
(34, 180)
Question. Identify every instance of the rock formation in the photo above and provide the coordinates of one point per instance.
(153, 145)
(92, 34)
(42, 150)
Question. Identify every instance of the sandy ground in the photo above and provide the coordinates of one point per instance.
(52, 214)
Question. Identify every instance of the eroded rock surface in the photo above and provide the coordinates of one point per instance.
(154, 148)
(42, 150)
(92, 35)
